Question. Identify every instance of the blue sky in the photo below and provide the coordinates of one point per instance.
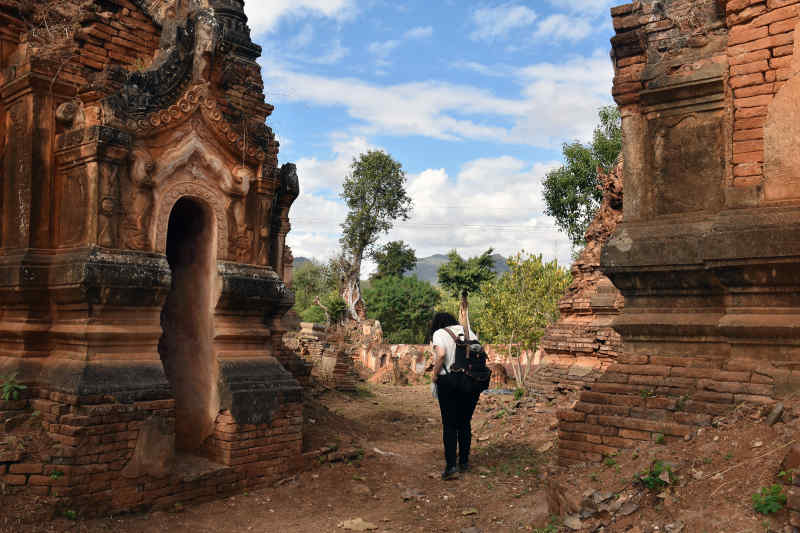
(473, 98)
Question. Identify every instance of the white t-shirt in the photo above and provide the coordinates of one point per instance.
(443, 339)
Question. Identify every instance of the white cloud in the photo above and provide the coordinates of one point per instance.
(384, 48)
(507, 215)
(303, 38)
(494, 23)
(315, 226)
(556, 101)
(585, 6)
(264, 16)
(335, 53)
(566, 27)
(420, 32)
(328, 174)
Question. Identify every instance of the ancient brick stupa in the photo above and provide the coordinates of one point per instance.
(142, 248)
(707, 256)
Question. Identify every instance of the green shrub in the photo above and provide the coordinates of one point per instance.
(769, 500)
(652, 478)
(10, 387)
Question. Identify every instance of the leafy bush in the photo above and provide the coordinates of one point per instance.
(404, 307)
(652, 479)
(769, 500)
(10, 387)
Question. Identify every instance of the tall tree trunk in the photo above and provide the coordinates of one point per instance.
(327, 314)
(351, 292)
(463, 314)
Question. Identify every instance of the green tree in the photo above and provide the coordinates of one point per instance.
(328, 309)
(571, 192)
(375, 195)
(464, 277)
(394, 259)
(310, 280)
(404, 306)
(523, 302)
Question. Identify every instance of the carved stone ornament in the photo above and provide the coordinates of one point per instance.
(71, 115)
(198, 97)
(139, 208)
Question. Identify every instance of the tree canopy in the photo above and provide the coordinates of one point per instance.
(403, 305)
(375, 195)
(394, 259)
(310, 280)
(459, 276)
(571, 192)
(524, 300)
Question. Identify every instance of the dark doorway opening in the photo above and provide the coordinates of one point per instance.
(187, 323)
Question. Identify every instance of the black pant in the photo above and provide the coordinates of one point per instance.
(457, 408)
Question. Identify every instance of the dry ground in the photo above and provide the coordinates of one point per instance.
(395, 483)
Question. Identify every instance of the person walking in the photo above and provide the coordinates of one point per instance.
(455, 404)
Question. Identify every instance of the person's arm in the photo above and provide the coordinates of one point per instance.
(437, 367)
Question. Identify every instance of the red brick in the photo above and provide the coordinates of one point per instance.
(594, 429)
(749, 157)
(620, 442)
(736, 388)
(587, 447)
(753, 398)
(750, 123)
(633, 359)
(748, 135)
(14, 479)
(570, 416)
(781, 62)
(760, 44)
(627, 61)
(753, 101)
(755, 90)
(26, 468)
(645, 425)
(750, 68)
(596, 409)
(781, 51)
(696, 419)
(774, 15)
(645, 370)
(616, 388)
(634, 435)
(744, 34)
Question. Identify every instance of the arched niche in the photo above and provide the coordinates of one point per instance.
(186, 346)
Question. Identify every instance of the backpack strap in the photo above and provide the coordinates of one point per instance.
(455, 338)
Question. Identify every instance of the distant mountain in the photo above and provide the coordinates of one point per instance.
(428, 267)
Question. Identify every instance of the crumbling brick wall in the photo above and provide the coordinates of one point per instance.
(706, 256)
(582, 344)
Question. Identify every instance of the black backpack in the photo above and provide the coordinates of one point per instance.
(470, 362)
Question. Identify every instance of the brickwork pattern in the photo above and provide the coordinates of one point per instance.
(93, 443)
(642, 397)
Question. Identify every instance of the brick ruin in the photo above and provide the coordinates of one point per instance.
(142, 252)
(707, 254)
(582, 344)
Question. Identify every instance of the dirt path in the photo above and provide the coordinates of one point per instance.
(396, 486)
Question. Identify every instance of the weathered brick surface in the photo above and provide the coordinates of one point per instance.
(86, 472)
(644, 394)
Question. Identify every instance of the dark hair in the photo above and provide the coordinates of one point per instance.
(440, 320)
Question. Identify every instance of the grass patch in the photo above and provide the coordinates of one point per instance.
(362, 391)
(769, 500)
(653, 479)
